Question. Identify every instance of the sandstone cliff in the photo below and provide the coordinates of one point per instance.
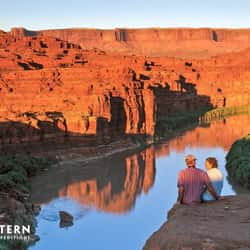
(179, 42)
(53, 87)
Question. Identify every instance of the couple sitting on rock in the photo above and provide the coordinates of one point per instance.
(195, 185)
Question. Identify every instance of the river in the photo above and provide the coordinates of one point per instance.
(118, 202)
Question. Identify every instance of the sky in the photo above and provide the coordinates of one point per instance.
(108, 14)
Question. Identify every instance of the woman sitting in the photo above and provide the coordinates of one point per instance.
(215, 176)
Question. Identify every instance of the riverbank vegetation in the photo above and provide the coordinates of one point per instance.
(15, 170)
(181, 120)
(238, 161)
(220, 113)
(177, 121)
(15, 205)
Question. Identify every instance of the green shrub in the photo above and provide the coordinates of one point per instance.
(13, 245)
(6, 182)
(14, 173)
(15, 170)
(238, 161)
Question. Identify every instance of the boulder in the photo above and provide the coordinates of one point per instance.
(66, 219)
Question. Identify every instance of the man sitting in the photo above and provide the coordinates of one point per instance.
(192, 182)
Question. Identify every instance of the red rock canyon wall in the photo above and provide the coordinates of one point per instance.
(51, 84)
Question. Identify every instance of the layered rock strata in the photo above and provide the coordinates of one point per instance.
(51, 87)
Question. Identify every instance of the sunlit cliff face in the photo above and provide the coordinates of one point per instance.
(50, 84)
(116, 193)
(173, 42)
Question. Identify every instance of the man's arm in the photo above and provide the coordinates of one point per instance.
(180, 194)
(180, 188)
(212, 191)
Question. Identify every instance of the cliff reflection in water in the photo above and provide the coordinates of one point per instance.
(113, 184)
(221, 133)
(117, 188)
(92, 193)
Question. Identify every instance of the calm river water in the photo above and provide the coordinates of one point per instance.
(118, 202)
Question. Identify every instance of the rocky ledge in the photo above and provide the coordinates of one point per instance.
(221, 224)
